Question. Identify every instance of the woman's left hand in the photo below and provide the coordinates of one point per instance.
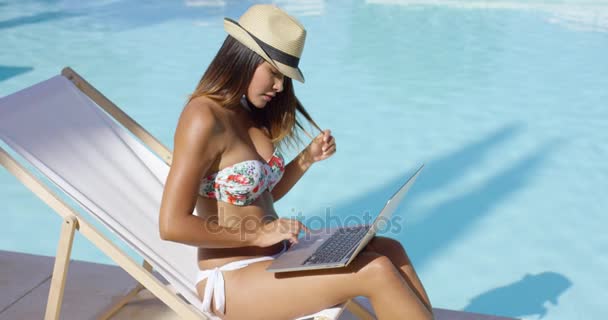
(322, 147)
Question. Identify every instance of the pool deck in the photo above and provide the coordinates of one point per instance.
(91, 288)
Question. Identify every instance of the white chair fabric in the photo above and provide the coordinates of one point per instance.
(103, 167)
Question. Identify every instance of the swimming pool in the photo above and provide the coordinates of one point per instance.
(503, 100)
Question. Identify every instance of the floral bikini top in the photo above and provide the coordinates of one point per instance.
(242, 183)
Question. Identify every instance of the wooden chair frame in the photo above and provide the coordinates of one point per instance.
(73, 221)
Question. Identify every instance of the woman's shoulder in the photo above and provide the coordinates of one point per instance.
(201, 113)
(202, 107)
(200, 125)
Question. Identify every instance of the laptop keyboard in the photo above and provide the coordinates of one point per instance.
(338, 245)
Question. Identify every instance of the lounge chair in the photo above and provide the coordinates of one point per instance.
(114, 170)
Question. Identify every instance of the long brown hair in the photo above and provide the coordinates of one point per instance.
(227, 79)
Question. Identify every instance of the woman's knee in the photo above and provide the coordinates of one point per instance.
(377, 269)
(392, 249)
(381, 265)
(386, 243)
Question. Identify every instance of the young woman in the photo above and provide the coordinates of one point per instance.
(227, 168)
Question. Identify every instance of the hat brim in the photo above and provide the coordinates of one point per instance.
(242, 36)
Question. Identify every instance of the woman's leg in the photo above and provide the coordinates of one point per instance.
(254, 293)
(396, 253)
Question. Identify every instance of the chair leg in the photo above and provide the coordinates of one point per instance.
(147, 265)
(121, 303)
(126, 298)
(359, 311)
(60, 269)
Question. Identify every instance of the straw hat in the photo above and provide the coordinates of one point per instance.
(273, 34)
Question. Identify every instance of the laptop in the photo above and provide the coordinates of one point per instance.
(337, 247)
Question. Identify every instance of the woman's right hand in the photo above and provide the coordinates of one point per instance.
(279, 230)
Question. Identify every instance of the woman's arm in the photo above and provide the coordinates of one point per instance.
(293, 172)
(197, 144)
(321, 147)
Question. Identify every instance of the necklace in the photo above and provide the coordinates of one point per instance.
(245, 103)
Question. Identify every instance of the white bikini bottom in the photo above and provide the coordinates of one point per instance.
(215, 282)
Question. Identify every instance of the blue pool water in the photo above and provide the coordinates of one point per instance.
(505, 102)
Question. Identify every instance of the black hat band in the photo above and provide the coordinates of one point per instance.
(272, 52)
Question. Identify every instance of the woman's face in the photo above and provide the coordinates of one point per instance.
(266, 83)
